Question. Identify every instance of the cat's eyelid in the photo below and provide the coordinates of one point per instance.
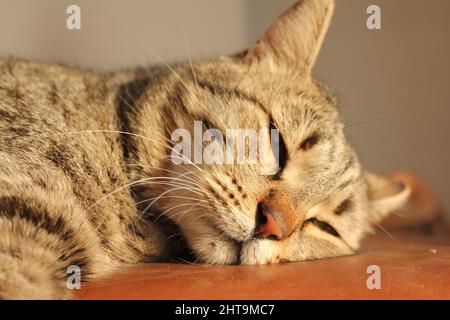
(283, 155)
(309, 142)
(324, 226)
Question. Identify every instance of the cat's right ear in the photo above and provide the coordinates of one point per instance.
(385, 195)
(294, 40)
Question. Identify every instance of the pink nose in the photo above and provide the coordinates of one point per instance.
(268, 227)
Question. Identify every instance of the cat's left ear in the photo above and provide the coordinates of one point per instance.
(294, 40)
(385, 195)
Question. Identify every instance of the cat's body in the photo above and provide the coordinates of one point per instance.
(53, 172)
(86, 173)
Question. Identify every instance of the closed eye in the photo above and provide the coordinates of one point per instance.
(324, 226)
(309, 142)
(283, 155)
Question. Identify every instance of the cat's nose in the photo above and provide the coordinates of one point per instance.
(268, 227)
(271, 224)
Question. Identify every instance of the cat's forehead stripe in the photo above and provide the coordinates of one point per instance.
(219, 90)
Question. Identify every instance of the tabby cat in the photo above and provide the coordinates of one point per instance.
(87, 178)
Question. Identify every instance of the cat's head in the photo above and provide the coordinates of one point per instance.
(319, 204)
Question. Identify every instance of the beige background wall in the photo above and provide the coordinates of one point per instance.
(393, 84)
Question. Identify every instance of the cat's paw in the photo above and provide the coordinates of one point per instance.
(29, 279)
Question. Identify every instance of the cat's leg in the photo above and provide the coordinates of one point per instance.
(41, 236)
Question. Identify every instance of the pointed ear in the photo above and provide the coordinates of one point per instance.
(385, 195)
(294, 40)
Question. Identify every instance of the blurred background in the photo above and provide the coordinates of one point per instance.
(393, 84)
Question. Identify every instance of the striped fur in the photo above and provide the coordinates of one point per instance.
(86, 178)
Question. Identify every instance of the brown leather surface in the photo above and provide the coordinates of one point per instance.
(413, 266)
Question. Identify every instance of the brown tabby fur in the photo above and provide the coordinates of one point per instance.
(84, 154)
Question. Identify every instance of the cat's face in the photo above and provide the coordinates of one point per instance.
(319, 204)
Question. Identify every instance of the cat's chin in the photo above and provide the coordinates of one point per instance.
(218, 251)
(232, 252)
(259, 252)
(228, 251)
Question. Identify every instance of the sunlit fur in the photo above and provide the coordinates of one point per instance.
(86, 176)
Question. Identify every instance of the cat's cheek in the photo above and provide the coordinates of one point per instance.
(261, 252)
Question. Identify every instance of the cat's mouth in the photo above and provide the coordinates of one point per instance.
(233, 233)
(241, 244)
